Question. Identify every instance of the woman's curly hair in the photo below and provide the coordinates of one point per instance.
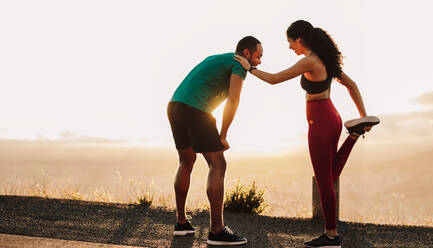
(320, 42)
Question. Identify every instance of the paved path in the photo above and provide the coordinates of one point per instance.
(68, 223)
(20, 241)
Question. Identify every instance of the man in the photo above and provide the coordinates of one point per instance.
(215, 79)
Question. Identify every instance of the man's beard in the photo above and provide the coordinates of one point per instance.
(250, 59)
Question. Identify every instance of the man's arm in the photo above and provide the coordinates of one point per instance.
(230, 107)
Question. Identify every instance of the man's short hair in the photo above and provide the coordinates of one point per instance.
(248, 42)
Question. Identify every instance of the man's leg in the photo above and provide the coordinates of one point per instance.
(187, 158)
(215, 188)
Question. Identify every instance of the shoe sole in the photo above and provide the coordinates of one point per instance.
(182, 233)
(212, 242)
(369, 121)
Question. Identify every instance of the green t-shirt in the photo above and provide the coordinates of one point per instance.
(207, 85)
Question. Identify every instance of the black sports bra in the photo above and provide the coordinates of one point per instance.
(315, 87)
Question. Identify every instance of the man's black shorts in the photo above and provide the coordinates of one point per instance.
(193, 128)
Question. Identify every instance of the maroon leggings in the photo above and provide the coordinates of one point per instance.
(324, 129)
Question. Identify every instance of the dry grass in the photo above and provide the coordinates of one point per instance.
(126, 191)
(392, 191)
(129, 191)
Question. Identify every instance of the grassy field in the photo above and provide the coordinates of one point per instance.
(379, 185)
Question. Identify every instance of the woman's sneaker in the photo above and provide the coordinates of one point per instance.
(225, 237)
(324, 241)
(183, 229)
(357, 126)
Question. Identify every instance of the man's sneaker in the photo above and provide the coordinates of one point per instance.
(324, 242)
(357, 125)
(225, 237)
(183, 229)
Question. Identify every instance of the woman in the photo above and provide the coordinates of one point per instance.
(321, 64)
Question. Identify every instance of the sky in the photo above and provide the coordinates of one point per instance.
(91, 70)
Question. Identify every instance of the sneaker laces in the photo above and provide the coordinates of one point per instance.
(329, 237)
(228, 230)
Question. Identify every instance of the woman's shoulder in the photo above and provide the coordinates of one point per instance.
(316, 62)
(309, 63)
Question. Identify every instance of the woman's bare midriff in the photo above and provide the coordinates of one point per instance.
(320, 96)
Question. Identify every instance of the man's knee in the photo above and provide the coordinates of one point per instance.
(216, 161)
(187, 157)
(221, 165)
(187, 162)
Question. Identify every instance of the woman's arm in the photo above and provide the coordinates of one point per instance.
(297, 69)
(354, 92)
